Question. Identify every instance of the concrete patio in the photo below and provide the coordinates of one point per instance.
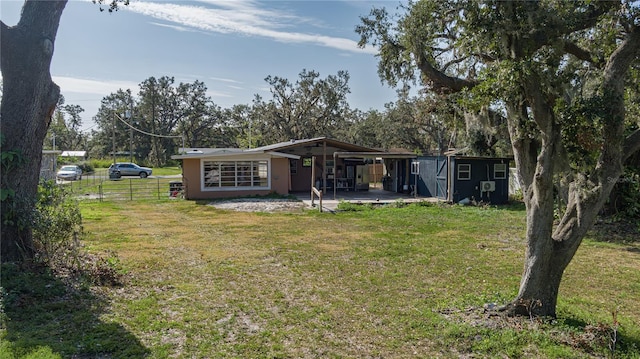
(375, 196)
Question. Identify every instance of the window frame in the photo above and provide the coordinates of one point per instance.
(461, 171)
(503, 171)
(232, 173)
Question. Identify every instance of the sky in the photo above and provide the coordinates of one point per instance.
(230, 45)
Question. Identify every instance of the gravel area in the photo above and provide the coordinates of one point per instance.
(260, 205)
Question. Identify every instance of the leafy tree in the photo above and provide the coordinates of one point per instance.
(65, 128)
(558, 71)
(29, 98)
(309, 108)
(114, 134)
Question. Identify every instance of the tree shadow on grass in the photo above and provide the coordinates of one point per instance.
(620, 232)
(601, 338)
(45, 316)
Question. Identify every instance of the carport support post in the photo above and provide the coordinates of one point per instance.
(335, 162)
(324, 167)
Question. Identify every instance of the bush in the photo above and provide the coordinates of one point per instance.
(85, 166)
(57, 225)
(57, 229)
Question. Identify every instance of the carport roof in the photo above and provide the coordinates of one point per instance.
(311, 141)
(375, 154)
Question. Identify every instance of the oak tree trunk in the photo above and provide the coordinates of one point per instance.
(29, 98)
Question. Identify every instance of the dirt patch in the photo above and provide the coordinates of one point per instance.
(260, 205)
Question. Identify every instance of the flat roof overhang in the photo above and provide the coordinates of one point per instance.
(399, 155)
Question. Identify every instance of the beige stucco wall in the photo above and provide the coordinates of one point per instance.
(191, 179)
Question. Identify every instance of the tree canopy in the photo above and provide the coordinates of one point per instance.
(559, 73)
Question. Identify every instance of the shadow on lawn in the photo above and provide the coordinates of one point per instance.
(599, 338)
(45, 317)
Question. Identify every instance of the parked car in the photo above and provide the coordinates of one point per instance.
(69, 173)
(120, 169)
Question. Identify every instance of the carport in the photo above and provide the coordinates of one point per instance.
(398, 161)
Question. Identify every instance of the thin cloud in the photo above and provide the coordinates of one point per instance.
(241, 17)
(225, 80)
(89, 86)
(175, 27)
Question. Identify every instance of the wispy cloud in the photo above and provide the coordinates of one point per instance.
(175, 27)
(225, 80)
(246, 18)
(92, 86)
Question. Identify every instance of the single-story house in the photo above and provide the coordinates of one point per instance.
(74, 154)
(49, 164)
(458, 178)
(282, 168)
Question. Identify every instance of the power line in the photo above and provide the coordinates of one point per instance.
(144, 132)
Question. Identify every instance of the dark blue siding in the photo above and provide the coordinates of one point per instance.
(433, 177)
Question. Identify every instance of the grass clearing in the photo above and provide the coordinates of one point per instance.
(390, 282)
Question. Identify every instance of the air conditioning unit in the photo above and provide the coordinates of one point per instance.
(487, 186)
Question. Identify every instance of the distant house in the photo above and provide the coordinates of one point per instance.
(282, 168)
(48, 164)
(457, 178)
(74, 154)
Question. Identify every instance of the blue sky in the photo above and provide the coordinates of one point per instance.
(230, 45)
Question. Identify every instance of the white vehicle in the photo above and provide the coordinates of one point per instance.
(69, 173)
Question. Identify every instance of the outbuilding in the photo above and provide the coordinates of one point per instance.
(460, 179)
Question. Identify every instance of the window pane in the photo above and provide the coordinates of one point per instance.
(262, 174)
(500, 171)
(211, 174)
(464, 171)
(244, 174)
(228, 174)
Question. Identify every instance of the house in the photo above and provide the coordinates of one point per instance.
(291, 166)
(75, 154)
(49, 164)
(458, 178)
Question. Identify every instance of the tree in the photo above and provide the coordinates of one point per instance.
(64, 130)
(558, 71)
(309, 108)
(29, 98)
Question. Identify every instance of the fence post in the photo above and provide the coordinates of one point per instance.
(158, 181)
(100, 192)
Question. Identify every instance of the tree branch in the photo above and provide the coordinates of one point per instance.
(441, 82)
(580, 53)
(631, 145)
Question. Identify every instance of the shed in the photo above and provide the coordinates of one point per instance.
(457, 178)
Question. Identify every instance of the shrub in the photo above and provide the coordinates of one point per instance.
(57, 229)
(57, 225)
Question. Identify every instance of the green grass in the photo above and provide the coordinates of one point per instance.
(390, 282)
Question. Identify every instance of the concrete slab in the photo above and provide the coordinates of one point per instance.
(373, 195)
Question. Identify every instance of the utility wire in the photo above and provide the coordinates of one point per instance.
(144, 132)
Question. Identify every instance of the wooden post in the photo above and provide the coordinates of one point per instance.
(314, 190)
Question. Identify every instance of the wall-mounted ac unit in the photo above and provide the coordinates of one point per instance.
(487, 186)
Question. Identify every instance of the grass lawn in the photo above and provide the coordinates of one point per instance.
(394, 282)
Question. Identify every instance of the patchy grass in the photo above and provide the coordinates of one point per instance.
(389, 282)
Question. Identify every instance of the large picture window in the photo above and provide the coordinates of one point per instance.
(236, 174)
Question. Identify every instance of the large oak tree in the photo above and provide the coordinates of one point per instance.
(29, 98)
(558, 71)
